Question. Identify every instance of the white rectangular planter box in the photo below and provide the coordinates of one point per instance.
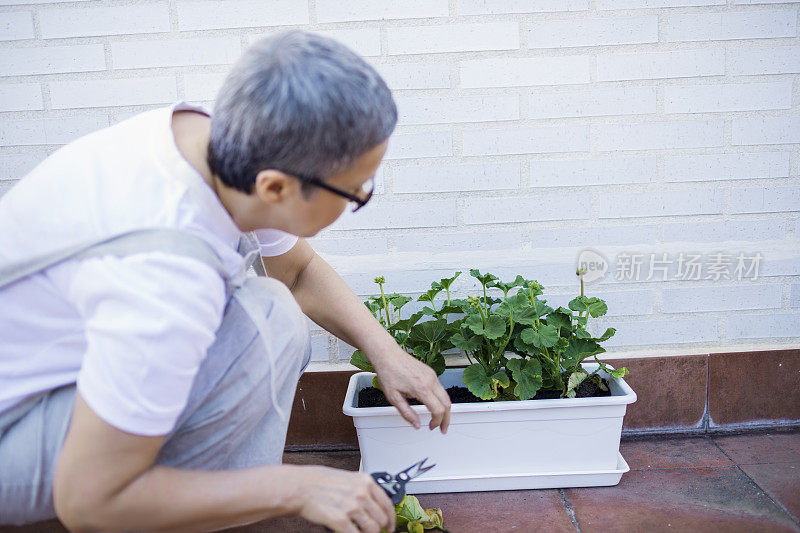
(564, 442)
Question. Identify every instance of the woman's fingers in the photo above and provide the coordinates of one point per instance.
(384, 503)
(445, 399)
(436, 407)
(365, 523)
(405, 410)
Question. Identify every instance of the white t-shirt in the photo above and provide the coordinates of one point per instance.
(133, 330)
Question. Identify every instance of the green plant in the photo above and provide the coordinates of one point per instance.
(424, 340)
(551, 343)
(411, 517)
(487, 330)
(561, 342)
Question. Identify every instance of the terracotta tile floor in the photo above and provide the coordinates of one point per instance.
(748, 482)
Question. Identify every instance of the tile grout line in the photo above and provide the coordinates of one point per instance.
(707, 411)
(777, 504)
(568, 507)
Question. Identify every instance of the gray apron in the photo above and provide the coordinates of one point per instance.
(150, 240)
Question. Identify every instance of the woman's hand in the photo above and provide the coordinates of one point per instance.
(401, 376)
(347, 502)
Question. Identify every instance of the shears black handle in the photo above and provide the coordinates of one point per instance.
(394, 488)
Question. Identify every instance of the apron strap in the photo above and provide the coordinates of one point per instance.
(250, 247)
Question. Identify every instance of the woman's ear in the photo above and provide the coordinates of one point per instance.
(273, 186)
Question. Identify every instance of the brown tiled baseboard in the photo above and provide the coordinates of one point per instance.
(317, 421)
(670, 391)
(689, 394)
(753, 387)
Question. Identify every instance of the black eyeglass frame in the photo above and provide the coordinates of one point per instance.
(352, 197)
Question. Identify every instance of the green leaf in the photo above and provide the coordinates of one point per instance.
(462, 304)
(467, 344)
(527, 373)
(483, 278)
(597, 307)
(532, 286)
(501, 378)
(490, 301)
(495, 326)
(505, 287)
(431, 331)
(526, 316)
(541, 307)
(415, 526)
(374, 306)
(359, 360)
(560, 345)
(519, 306)
(560, 319)
(450, 309)
(437, 363)
(429, 296)
(578, 350)
(400, 336)
(545, 336)
(446, 282)
(398, 301)
(617, 373)
(522, 346)
(406, 323)
(578, 304)
(477, 382)
(582, 333)
(607, 335)
(475, 323)
(409, 509)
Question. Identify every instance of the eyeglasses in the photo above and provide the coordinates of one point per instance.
(360, 202)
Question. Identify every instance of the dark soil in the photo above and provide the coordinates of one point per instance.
(372, 397)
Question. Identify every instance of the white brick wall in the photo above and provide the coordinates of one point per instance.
(453, 38)
(110, 93)
(16, 26)
(528, 131)
(87, 21)
(209, 15)
(21, 97)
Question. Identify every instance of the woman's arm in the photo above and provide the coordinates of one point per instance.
(105, 481)
(328, 301)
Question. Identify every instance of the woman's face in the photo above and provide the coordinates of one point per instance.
(323, 207)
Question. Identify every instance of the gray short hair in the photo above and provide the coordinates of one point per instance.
(297, 102)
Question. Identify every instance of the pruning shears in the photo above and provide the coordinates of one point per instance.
(395, 485)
